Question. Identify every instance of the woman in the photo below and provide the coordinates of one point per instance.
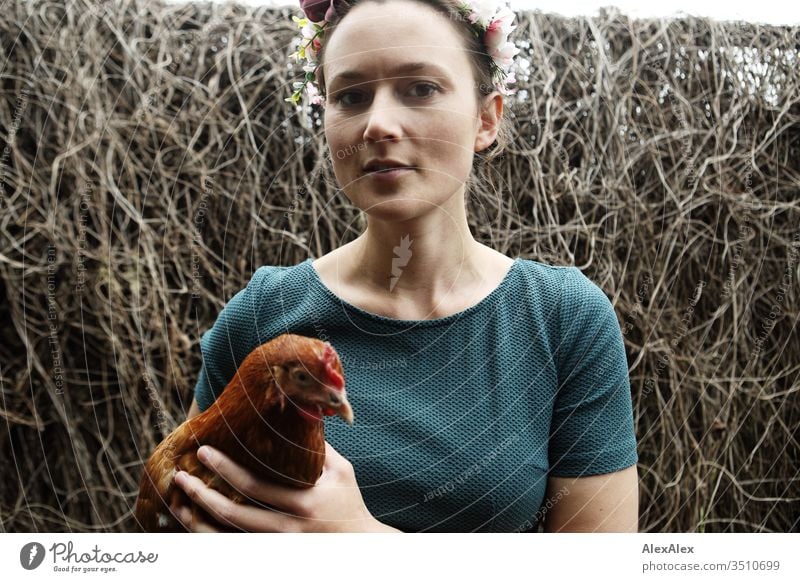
(492, 393)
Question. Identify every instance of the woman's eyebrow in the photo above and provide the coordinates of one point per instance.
(401, 69)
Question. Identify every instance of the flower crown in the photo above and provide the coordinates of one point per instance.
(491, 22)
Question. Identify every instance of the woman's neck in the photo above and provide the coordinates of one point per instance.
(423, 258)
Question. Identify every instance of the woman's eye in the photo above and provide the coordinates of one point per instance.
(428, 85)
(341, 95)
(430, 89)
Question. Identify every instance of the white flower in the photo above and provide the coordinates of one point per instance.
(308, 31)
(313, 93)
(311, 54)
(504, 55)
(482, 11)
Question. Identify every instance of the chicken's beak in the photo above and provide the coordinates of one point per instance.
(338, 404)
(345, 411)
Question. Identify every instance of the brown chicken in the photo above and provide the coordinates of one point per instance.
(267, 419)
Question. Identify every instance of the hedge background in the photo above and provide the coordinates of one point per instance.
(150, 164)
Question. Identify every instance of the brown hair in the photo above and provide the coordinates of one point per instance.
(480, 60)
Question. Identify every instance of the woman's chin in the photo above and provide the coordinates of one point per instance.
(398, 208)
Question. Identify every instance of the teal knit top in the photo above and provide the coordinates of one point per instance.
(459, 420)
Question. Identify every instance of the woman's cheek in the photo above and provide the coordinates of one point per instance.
(341, 163)
(454, 158)
(451, 132)
(345, 157)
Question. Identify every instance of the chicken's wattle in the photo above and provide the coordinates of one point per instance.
(311, 412)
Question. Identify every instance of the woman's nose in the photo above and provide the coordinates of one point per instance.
(382, 117)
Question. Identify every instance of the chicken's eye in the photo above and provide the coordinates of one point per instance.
(301, 376)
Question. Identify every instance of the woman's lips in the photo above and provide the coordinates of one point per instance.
(389, 175)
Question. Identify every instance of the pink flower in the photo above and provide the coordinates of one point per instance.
(313, 94)
(499, 28)
(504, 55)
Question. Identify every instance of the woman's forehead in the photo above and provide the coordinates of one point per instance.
(396, 67)
(393, 29)
(403, 47)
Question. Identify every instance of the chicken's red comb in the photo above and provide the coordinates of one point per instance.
(329, 357)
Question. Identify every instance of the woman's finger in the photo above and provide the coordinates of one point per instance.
(229, 514)
(281, 497)
(216, 504)
(193, 521)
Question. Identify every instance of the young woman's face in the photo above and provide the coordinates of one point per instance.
(426, 118)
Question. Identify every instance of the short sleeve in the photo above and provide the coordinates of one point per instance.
(592, 430)
(228, 342)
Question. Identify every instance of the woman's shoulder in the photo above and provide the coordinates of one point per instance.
(545, 275)
(279, 281)
(266, 274)
(564, 275)
(277, 268)
(567, 289)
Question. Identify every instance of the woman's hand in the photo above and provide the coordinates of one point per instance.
(333, 504)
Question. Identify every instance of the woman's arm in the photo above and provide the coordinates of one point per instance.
(598, 503)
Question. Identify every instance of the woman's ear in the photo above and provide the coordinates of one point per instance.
(491, 114)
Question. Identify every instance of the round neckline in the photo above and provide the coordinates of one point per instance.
(413, 322)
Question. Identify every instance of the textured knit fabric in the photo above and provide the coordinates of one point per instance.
(458, 420)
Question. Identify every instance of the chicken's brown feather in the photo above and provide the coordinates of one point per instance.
(250, 423)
